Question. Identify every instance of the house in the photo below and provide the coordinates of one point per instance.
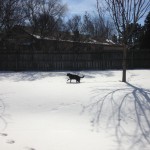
(21, 50)
(17, 38)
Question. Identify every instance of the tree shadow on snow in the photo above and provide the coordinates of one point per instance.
(29, 76)
(126, 111)
(3, 122)
(36, 75)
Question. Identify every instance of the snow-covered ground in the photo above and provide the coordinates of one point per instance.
(42, 111)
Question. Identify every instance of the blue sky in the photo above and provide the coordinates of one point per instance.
(80, 6)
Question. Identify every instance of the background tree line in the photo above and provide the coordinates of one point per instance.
(46, 18)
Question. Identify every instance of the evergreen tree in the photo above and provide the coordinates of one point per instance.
(146, 38)
(135, 37)
(147, 23)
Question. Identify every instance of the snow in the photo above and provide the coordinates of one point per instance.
(42, 111)
(110, 41)
(91, 41)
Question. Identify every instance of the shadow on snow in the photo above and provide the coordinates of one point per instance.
(126, 110)
(3, 122)
(37, 75)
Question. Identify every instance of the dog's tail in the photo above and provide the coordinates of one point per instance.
(82, 77)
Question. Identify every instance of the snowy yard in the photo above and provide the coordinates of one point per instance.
(42, 111)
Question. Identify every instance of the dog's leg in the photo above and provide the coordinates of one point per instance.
(77, 81)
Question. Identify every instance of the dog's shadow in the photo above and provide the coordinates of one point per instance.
(73, 82)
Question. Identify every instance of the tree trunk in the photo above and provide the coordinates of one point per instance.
(124, 63)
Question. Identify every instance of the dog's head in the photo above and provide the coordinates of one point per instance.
(68, 74)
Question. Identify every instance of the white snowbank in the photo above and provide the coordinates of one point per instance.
(42, 111)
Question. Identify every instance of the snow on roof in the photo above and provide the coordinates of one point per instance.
(90, 41)
(110, 41)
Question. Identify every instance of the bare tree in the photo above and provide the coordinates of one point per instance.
(55, 8)
(104, 23)
(51, 13)
(44, 15)
(74, 25)
(123, 13)
(32, 12)
(101, 19)
(88, 24)
(11, 13)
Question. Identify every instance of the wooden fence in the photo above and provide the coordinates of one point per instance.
(46, 55)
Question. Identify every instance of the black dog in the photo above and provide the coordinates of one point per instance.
(74, 77)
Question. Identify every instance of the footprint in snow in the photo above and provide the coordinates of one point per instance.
(3, 134)
(54, 109)
(10, 141)
(29, 148)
